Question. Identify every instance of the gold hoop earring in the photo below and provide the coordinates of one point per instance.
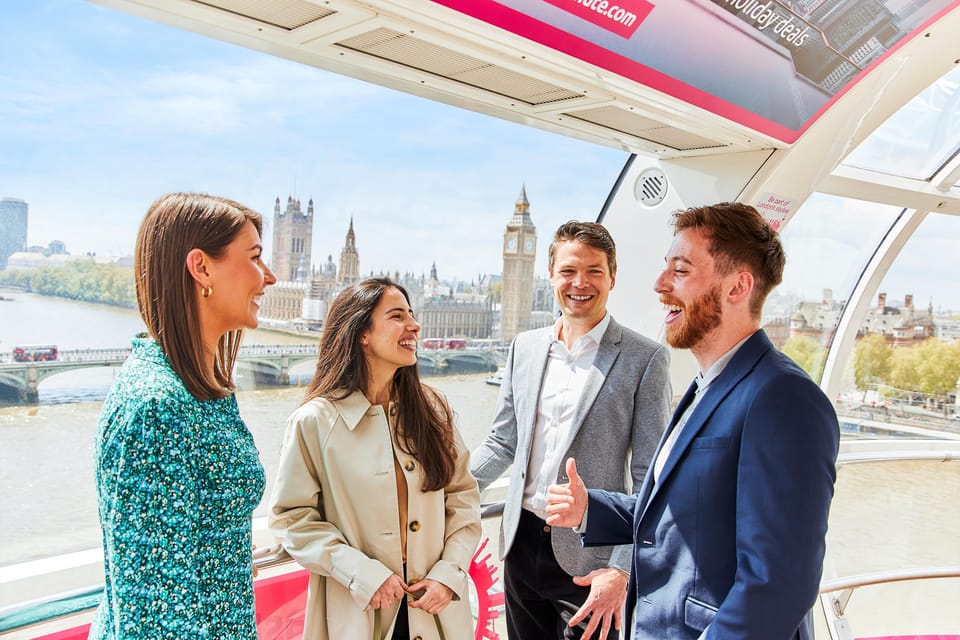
(206, 292)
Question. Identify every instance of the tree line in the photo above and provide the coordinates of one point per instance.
(83, 280)
(930, 367)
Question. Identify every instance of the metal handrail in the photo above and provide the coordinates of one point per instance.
(884, 577)
(836, 594)
(27, 614)
(894, 456)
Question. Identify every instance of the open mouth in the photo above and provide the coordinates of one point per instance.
(673, 312)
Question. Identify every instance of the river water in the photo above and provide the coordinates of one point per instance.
(47, 497)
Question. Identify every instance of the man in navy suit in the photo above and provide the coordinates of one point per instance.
(728, 528)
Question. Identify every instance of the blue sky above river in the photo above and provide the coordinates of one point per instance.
(104, 111)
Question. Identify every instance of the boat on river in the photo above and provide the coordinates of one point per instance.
(496, 379)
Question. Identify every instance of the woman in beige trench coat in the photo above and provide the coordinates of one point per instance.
(373, 493)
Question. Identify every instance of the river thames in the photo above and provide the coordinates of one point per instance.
(48, 499)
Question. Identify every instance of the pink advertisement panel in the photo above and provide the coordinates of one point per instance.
(771, 65)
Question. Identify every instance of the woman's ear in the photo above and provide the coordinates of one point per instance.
(197, 266)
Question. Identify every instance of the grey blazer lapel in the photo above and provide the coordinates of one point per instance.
(534, 370)
(607, 352)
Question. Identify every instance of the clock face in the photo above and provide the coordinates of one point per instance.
(528, 245)
(512, 243)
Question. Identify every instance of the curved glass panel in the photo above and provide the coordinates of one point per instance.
(827, 243)
(906, 366)
(920, 138)
(900, 524)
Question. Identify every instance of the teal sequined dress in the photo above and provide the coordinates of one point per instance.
(177, 481)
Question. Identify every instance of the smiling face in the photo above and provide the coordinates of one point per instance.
(582, 281)
(238, 279)
(390, 342)
(690, 289)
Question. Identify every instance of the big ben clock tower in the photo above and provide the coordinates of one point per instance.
(519, 255)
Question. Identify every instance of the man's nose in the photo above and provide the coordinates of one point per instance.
(659, 285)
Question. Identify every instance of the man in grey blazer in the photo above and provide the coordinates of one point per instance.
(587, 388)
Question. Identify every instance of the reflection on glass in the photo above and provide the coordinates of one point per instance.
(920, 138)
(827, 242)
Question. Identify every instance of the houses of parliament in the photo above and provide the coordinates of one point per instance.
(302, 294)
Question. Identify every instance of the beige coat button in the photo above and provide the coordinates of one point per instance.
(414, 526)
(409, 466)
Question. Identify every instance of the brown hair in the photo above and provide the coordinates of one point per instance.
(176, 224)
(424, 421)
(592, 234)
(739, 238)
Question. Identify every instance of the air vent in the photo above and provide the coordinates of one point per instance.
(413, 52)
(651, 187)
(285, 14)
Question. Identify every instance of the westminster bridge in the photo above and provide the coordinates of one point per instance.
(269, 365)
(19, 381)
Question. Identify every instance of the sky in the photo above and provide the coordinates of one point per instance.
(103, 112)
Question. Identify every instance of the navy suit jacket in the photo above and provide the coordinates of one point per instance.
(730, 543)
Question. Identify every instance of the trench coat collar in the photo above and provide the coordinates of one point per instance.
(352, 409)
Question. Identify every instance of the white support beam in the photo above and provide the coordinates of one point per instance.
(856, 309)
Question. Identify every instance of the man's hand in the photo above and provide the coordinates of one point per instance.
(604, 604)
(566, 503)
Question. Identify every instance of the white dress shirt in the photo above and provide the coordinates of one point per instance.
(703, 381)
(563, 383)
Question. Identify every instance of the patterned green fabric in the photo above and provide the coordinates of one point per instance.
(178, 481)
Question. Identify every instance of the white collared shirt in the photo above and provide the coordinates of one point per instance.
(563, 383)
(703, 381)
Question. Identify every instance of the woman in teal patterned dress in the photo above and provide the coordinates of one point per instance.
(178, 475)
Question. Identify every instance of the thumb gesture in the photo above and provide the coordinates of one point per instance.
(574, 481)
(566, 503)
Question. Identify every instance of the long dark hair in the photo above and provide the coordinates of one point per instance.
(174, 225)
(424, 421)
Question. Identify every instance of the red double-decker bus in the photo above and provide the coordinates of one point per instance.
(35, 353)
